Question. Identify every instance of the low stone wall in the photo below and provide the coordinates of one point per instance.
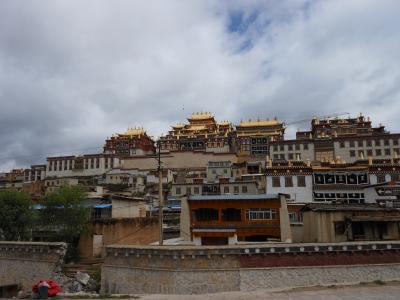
(24, 263)
(195, 270)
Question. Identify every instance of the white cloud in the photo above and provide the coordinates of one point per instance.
(74, 72)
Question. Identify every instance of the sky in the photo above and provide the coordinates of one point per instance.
(74, 72)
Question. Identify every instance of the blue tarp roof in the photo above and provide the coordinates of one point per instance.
(103, 205)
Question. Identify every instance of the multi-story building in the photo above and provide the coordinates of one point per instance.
(349, 139)
(253, 137)
(353, 183)
(202, 133)
(227, 219)
(85, 165)
(35, 173)
(293, 178)
(133, 142)
(12, 180)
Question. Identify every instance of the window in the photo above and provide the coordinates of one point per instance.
(60, 165)
(288, 181)
(395, 177)
(66, 164)
(261, 214)
(206, 214)
(342, 145)
(386, 142)
(395, 142)
(369, 152)
(297, 147)
(351, 144)
(276, 181)
(377, 142)
(92, 163)
(226, 189)
(106, 162)
(97, 163)
(290, 156)
(244, 189)
(178, 190)
(275, 148)
(281, 148)
(369, 143)
(361, 154)
(352, 153)
(188, 190)
(301, 181)
(196, 190)
(305, 146)
(231, 214)
(295, 217)
(360, 143)
(236, 189)
(387, 152)
(70, 164)
(340, 228)
(381, 178)
(378, 152)
(282, 156)
(290, 147)
(276, 156)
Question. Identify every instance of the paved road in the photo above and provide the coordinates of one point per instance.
(376, 292)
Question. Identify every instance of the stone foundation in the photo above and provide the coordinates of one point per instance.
(24, 263)
(199, 270)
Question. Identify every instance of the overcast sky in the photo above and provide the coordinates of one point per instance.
(74, 72)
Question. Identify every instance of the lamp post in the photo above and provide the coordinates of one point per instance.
(160, 193)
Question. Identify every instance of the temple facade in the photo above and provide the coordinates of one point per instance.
(133, 142)
(201, 133)
(253, 137)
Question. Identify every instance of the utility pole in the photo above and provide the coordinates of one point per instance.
(160, 194)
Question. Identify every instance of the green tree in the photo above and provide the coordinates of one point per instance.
(66, 214)
(16, 215)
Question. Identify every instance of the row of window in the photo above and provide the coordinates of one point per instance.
(370, 152)
(290, 156)
(343, 197)
(234, 214)
(301, 181)
(341, 178)
(90, 163)
(368, 143)
(196, 190)
(294, 147)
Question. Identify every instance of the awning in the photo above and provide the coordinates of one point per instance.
(375, 219)
(103, 205)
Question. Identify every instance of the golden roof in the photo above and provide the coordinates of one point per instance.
(179, 125)
(201, 116)
(197, 127)
(134, 131)
(252, 123)
(224, 123)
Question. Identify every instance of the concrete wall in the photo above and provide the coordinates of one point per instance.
(139, 231)
(282, 151)
(177, 160)
(344, 153)
(128, 209)
(297, 194)
(199, 270)
(24, 263)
